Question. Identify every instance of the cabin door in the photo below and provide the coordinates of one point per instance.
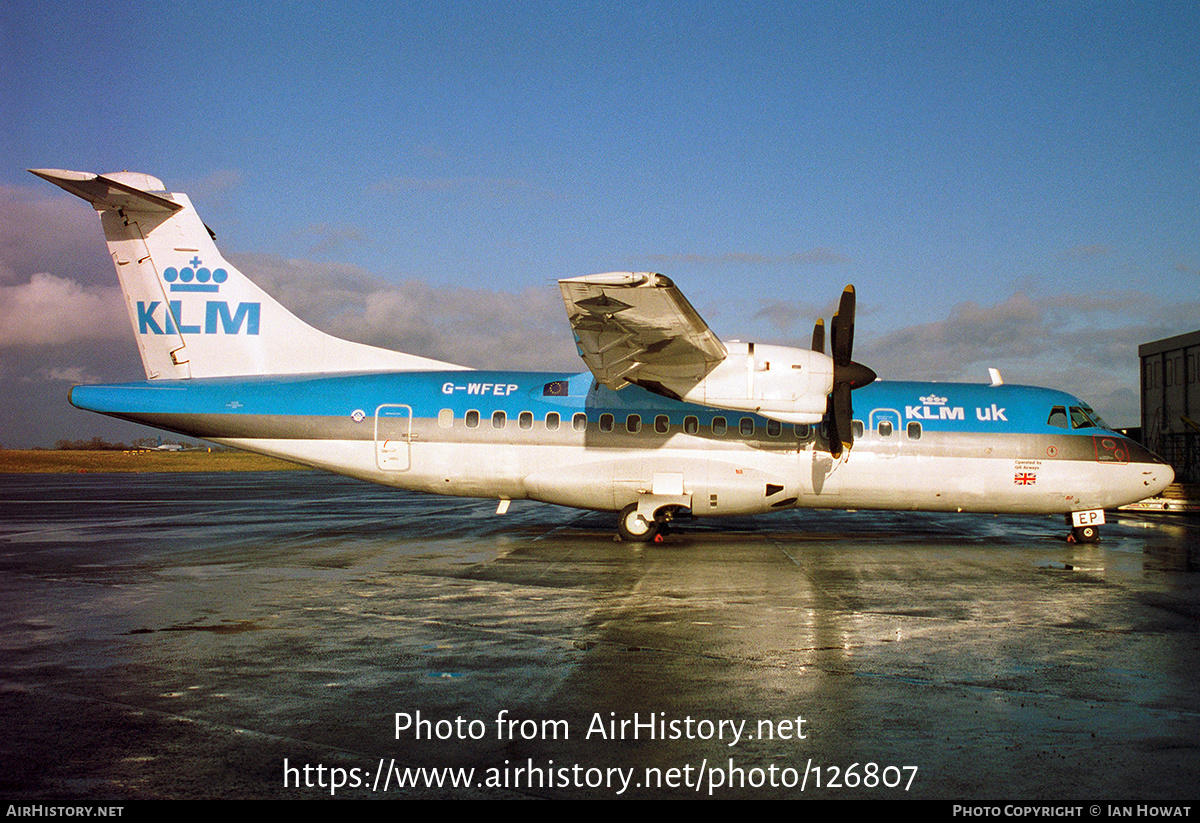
(393, 437)
(883, 427)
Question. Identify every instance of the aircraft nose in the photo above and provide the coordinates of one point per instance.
(1158, 475)
(1168, 476)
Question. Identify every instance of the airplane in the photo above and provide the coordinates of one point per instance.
(668, 421)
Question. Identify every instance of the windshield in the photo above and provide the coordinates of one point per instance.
(1080, 417)
(1099, 420)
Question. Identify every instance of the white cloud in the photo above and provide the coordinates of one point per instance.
(327, 238)
(474, 327)
(52, 310)
(42, 231)
(1083, 345)
(68, 374)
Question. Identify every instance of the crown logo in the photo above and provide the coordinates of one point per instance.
(194, 277)
(933, 400)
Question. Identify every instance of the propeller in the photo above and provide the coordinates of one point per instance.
(847, 375)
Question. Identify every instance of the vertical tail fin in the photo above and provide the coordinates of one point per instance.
(194, 314)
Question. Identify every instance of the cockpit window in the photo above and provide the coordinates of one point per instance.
(1097, 419)
(1082, 417)
(1077, 417)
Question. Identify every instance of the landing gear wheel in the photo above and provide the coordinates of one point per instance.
(1085, 534)
(635, 528)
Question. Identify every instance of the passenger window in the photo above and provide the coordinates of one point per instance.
(774, 428)
(633, 423)
(914, 430)
(856, 427)
(662, 424)
(1058, 417)
(472, 419)
(525, 420)
(885, 428)
(719, 425)
(552, 421)
(746, 426)
(499, 419)
(606, 422)
(691, 424)
(579, 422)
(803, 431)
(446, 418)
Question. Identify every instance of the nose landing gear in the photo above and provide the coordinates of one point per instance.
(1085, 526)
(1084, 534)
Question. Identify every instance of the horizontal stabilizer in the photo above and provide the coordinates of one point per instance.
(120, 190)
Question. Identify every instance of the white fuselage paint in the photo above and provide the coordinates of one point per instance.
(609, 478)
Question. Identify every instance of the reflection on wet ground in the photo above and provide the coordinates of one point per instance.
(212, 635)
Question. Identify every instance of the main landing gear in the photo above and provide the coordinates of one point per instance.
(635, 528)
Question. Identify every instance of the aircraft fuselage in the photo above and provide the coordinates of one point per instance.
(563, 439)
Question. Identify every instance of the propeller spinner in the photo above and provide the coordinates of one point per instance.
(847, 374)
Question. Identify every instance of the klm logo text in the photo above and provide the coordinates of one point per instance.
(928, 412)
(934, 412)
(156, 318)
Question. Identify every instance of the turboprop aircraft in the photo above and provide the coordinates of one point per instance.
(669, 419)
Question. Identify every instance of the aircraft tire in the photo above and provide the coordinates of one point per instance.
(635, 528)
(1086, 534)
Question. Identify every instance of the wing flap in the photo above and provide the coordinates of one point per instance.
(637, 327)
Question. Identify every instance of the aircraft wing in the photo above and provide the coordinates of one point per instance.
(637, 327)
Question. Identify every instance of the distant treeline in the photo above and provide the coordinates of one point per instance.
(100, 444)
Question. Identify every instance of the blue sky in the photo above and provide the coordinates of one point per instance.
(1005, 184)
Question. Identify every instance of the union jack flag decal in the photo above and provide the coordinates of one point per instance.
(1025, 479)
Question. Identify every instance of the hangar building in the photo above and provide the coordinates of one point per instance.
(1171, 402)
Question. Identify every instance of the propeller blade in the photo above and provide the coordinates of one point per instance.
(831, 430)
(843, 328)
(818, 341)
(842, 414)
(847, 374)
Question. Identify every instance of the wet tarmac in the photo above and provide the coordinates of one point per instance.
(299, 635)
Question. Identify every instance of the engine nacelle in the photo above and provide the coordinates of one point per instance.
(780, 382)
